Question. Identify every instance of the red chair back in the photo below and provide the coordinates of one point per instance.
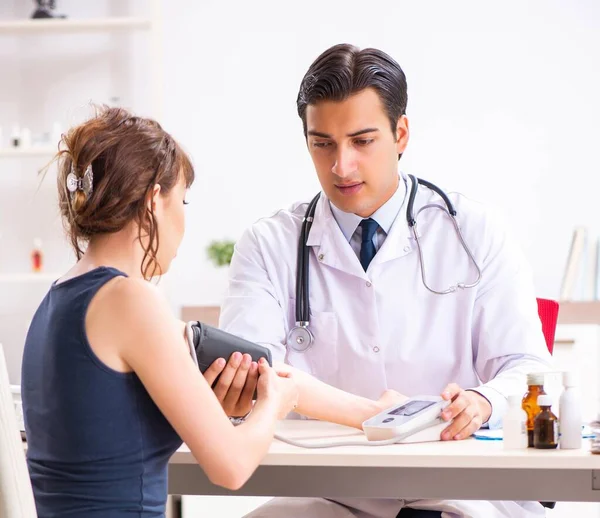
(548, 311)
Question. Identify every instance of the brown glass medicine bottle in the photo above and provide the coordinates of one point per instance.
(545, 428)
(596, 436)
(535, 388)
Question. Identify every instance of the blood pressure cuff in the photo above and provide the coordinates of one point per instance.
(208, 344)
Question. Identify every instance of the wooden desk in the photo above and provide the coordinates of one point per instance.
(470, 470)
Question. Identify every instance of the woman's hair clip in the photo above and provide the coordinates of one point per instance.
(84, 184)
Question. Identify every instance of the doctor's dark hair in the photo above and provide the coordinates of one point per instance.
(129, 155)
(344, 70)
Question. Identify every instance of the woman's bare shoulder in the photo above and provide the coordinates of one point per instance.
(129, 303)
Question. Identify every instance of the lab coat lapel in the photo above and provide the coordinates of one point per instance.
(398, 242)
(329, 244)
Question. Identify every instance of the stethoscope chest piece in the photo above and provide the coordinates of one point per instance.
(300, 338)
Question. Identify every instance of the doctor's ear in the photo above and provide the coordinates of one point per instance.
(402, 134)
(154, 198)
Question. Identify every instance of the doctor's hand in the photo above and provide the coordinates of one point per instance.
(236, 384)
(469, 410)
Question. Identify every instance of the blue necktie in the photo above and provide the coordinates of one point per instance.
(367, 248)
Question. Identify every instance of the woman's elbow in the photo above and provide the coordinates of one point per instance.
(232, 477)
(233, 481)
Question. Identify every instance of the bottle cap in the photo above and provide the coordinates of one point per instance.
(514, 400)
(535, 378)
(544, 400)
(569, 379)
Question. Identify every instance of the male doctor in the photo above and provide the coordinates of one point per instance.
(375, 319)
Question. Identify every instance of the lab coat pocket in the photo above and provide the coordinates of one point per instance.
(321, 358)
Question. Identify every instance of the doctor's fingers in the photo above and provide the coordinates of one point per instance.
(464, 424)
(457, 406)
(451, 391)
(227, 376)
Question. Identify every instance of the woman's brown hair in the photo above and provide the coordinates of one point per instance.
(128, 155)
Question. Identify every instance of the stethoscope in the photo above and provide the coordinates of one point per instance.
(300, 338)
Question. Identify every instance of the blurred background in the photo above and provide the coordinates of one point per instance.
(502, 100)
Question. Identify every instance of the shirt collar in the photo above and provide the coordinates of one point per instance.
(385, 215)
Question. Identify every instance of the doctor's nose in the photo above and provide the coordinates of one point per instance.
(345, 163)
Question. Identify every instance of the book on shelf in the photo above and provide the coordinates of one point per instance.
(597, 272)
(573, 269)
(589, 287)
(581, 278)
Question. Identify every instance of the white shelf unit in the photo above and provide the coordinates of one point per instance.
(45, 278)
(68, 25)
(148, 24)
(24, 152)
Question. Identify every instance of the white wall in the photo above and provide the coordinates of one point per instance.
(503, 106)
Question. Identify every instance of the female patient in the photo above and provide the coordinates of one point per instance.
(109, 388)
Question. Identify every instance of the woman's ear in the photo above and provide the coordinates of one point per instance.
(154, 200)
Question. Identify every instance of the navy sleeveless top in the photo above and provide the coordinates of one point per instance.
(98, 446)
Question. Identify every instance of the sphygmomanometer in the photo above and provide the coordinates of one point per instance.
(416, 420)
(208, 344)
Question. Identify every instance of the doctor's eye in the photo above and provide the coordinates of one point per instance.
(363, 141)
(186, 202)
(321, 144)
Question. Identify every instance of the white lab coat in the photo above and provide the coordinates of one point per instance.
(381, 328)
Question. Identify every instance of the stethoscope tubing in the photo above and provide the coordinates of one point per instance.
(299, 336)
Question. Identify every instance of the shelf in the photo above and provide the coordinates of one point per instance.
(579, 312)
(571, 312)
(29, 277)
(27, 152)
(68, 25)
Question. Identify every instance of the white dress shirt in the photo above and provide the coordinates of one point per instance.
(385, 216)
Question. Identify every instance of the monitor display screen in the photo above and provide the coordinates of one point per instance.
(411, 408)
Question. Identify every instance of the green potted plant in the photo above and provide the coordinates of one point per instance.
(220, 252)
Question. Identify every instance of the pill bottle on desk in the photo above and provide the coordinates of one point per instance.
(535, 388)
(596, 435)
(514, 425)
(569, 410)
(545, 433)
